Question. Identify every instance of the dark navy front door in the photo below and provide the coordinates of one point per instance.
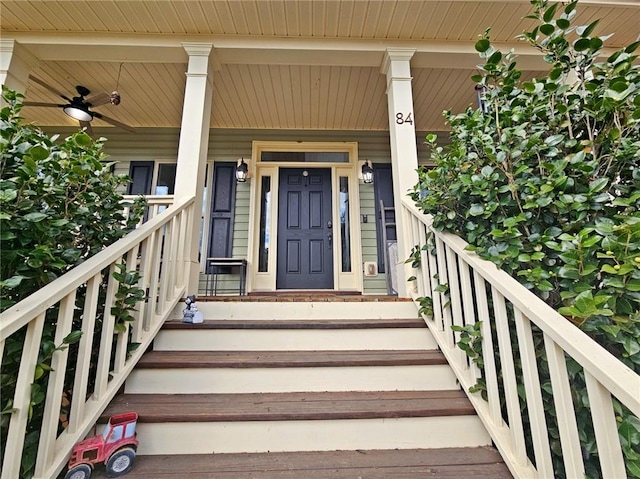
(305, 233)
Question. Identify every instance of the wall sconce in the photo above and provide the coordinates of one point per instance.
(242, 171)
(367, 172)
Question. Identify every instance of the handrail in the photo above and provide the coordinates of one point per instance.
(157, 251)
(156, 204)
(465, 289)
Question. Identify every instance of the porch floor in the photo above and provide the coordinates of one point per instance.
(459, 463)
(290, 296)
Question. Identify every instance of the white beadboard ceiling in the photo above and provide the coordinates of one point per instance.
(280, 64)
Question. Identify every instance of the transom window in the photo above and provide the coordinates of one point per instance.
(306, 156)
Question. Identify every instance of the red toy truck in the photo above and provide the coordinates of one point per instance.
(116, 447)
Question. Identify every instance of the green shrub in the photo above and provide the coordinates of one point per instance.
(544, 181)
(60, 204)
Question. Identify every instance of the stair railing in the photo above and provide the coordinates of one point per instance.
(156, 250)
(464, 289)
(156, 204)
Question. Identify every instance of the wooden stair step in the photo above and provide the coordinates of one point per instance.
(282, 359)
(298, 324)
(476, 462)
(162, 408)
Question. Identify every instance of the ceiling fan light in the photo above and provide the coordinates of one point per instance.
(78, 113)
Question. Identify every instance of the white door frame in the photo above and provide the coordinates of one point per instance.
(266, 280)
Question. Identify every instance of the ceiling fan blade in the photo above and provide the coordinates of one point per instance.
(98, 99)
(41, 103)
(117, 123)
(49, 87)
(87, 125)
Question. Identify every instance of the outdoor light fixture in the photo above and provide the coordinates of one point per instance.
(241, 172)
(77, 112)
(367, 172)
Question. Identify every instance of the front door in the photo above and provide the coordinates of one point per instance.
(305, 234)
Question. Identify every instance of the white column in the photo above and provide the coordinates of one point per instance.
(404, 153)
(15, 63)
(193, 146)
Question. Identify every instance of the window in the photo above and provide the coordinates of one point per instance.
(149, 176)
(306, 156)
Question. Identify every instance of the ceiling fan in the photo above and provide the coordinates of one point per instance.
(78, 107)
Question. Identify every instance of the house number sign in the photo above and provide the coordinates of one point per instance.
(401, 118)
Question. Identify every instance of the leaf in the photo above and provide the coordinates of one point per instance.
(13, 282)
(581, 44)
(38, 153)
(35, 217)
(482, 45)
(549, 13)
(632, 47)
(547, 29)
(631, 345)
(595, 43)
(73, 337)
(585, 31)
(476, 209)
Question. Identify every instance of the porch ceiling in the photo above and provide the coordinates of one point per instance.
(277, 64)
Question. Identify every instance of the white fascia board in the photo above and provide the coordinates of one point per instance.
(260, 50)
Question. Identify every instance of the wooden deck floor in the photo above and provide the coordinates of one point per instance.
(475, 463)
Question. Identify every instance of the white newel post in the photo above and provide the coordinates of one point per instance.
(404, 154)
(193, 147)
(15, 64)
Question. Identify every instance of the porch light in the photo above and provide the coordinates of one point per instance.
(241, 172)
(78, 112)
(367, 172)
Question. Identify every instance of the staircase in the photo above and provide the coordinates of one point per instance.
(294, 388)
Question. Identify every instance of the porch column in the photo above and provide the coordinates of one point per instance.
(404, 153)
(193, 147)
(15, 64)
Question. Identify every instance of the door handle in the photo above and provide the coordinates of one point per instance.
(330, 237)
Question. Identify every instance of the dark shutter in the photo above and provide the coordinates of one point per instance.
(223, 200)
(141, 174)
(383, 190)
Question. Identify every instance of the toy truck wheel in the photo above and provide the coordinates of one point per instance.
(81, 471)
(121, 462)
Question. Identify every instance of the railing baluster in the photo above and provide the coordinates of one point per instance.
(565, 412)
(435, 296)
(173, 254)
(490, 370)
(509, 377)
(106, 340)
(148, 268)
(605, 428)
(53, 401)
(156, 265)
(85, 347)
(469, 313)
(22, 399)
(456, 303)
(442, 281)
(535, 406)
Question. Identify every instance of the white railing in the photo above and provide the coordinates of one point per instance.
(156, 204)
(472, 290)
(156, 250)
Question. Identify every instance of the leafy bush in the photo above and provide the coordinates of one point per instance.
(544, 181)
(59, 205)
